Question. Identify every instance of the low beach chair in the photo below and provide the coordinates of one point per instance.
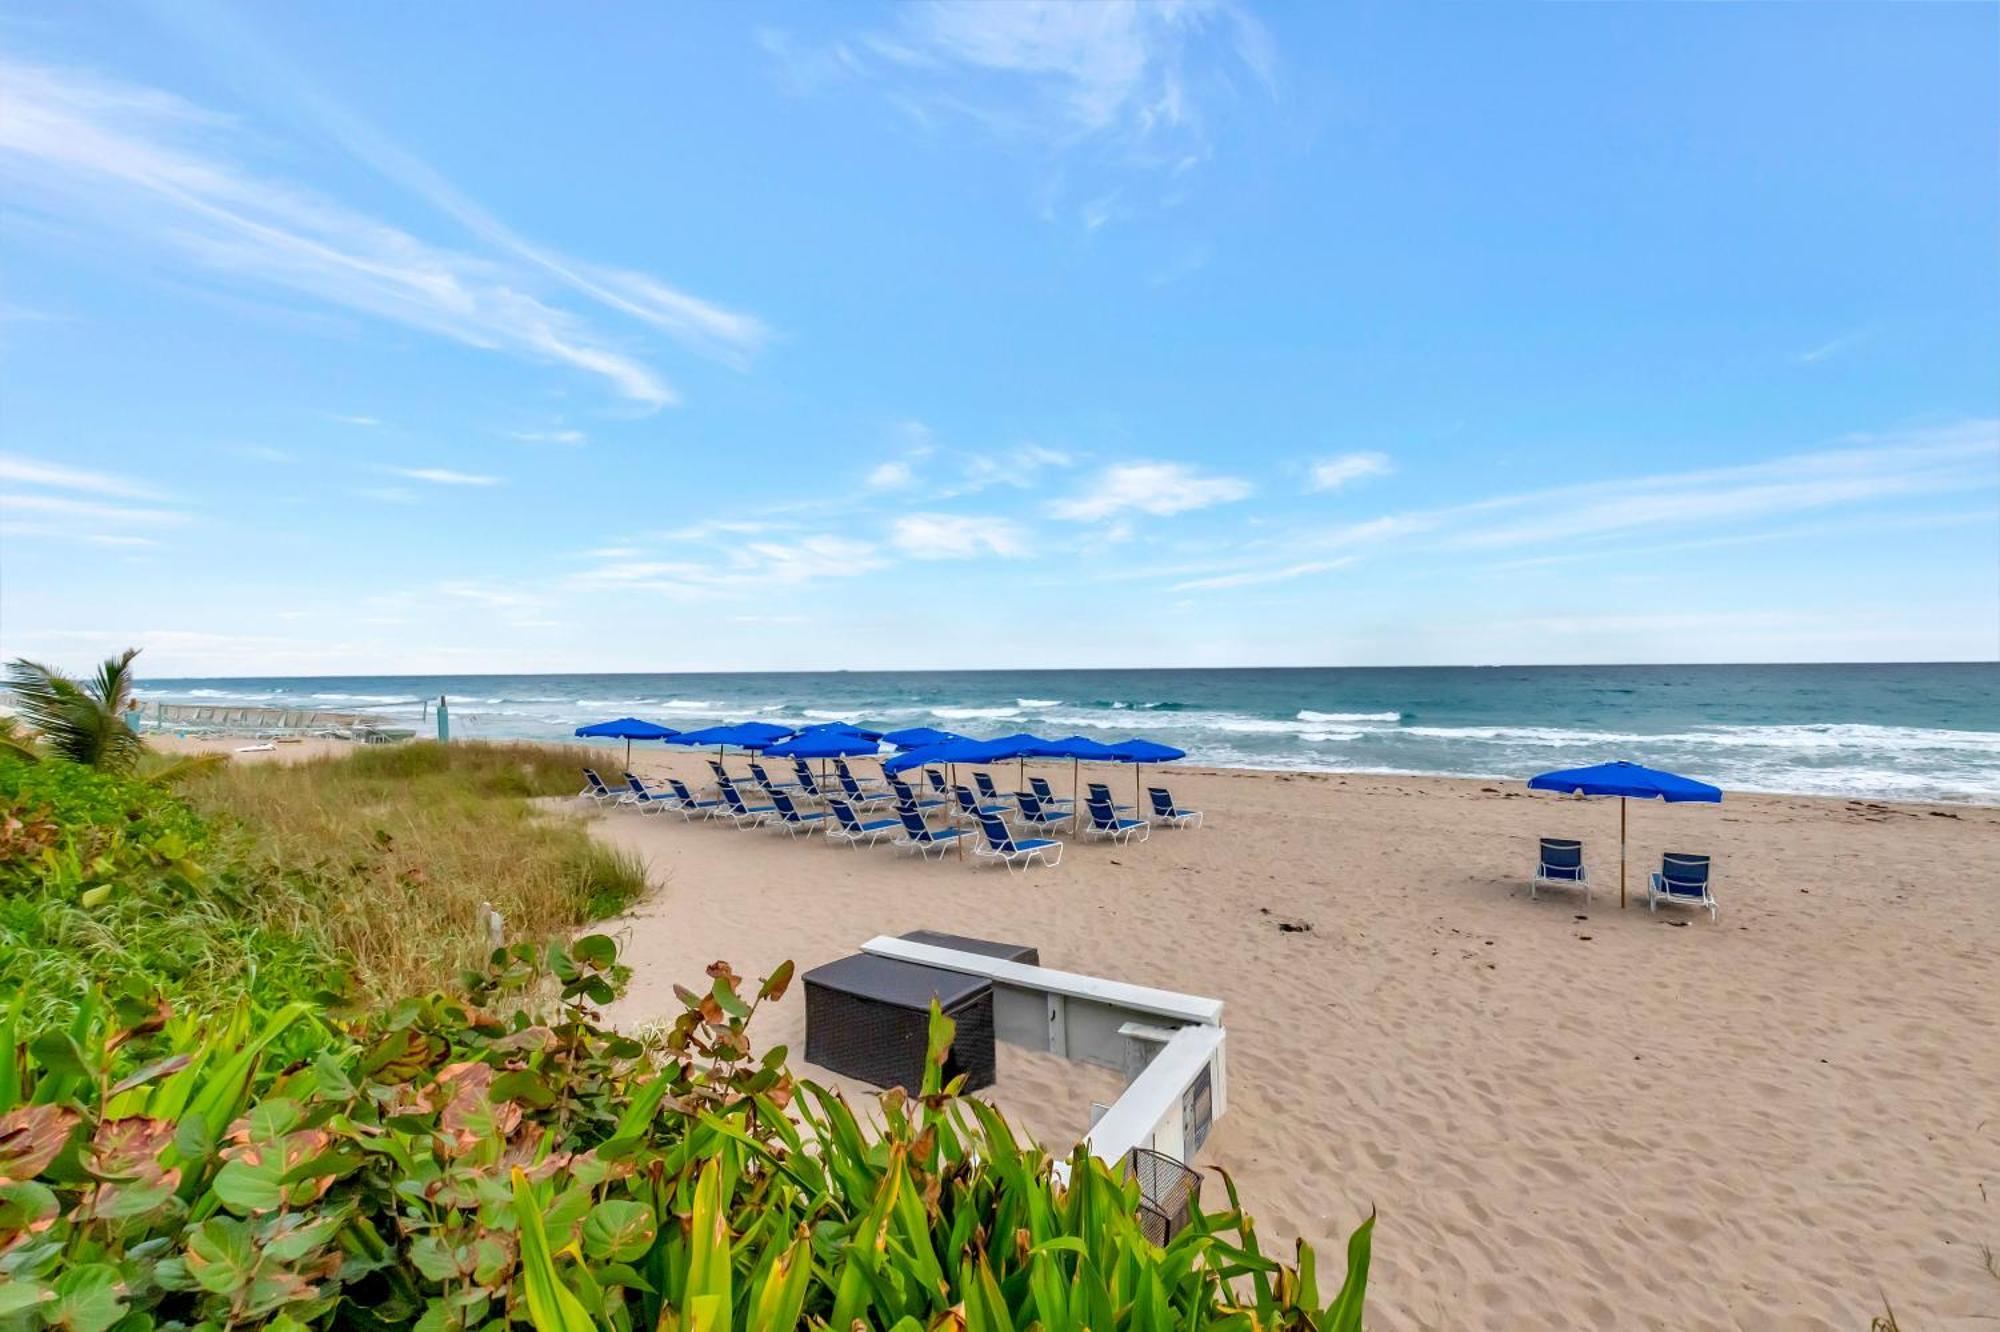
(1681, 881)
(906, 796)
(1167, 812)
(850, 828)
(1016, 853)
(936, 779)
(763, 779)
(1099, 791)
(857, 794)
(1043, 793)
(809, 785)
(744, 816)
(594, 788)
(791, 819)
(920, 837)
(1034, 814)
(971, 808)
(983, 783)
(644, 797)
(1561, 866)
(721, 775)
(690, 807)
(1105, 822)
(840, 768)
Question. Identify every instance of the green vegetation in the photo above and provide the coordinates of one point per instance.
(80, 720)
(438, 1167)
(219, 1108)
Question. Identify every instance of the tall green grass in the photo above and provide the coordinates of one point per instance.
(393, 850)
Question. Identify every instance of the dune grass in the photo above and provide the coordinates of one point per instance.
(389, 852)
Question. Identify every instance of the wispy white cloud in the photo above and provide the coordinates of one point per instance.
(945, 536)
(260, 453)
(1018, 465)
(443, 476)
(36, 472)
(114, 539)
(1826, 351)
(1253, 577)
(1156, 488)
(739, 567)
(160, 170)
(365, 422)
(386, 494)
(896, 474)
(60, 506)
(565, 436)
(1333, 473)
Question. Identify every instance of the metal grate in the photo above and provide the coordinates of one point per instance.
(1169, 1193)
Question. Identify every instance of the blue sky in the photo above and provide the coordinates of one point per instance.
(380, 338)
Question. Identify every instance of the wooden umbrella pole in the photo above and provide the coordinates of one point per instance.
(1621, 852)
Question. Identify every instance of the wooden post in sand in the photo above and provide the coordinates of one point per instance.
(1621, 853)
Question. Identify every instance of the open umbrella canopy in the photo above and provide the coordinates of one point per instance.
(916, 737)
(847, 727)
(627, 728)
(744, 735)
(1077, 747)
(1630, 780)
(1145, 751)
(958, 749)
(1019, 745)
(824, 744)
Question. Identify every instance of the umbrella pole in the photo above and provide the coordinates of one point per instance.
(1621, 852)
(1136, 806)
(1075, 810)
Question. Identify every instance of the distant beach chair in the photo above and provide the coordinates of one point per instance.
(688, 805)
(1043, 793)
(594, 789)
(1681, 881)
(721, 774)
(809, 785)
(1166, 811)
(647, 800)
(983, 781)
(1106, 822)
(1035, 814)
(936, 779)
(921, 837)
(1561, 866)
(971, 808)
(791, 818)
(744, 816)
(840, 767)
(906, 796)
(762, 779)
(857, 794)
(851, 829)
(1015, 854)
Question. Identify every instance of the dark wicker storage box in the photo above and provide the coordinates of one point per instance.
(869, 1018)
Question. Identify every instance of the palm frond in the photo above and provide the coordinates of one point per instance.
(81, 722)
(167, 771)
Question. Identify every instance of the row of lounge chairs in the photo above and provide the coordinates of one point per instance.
(1682, 880)
(846, 809)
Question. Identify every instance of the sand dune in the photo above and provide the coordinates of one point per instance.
(1568, 1115)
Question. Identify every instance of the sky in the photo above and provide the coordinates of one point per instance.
(514, 338)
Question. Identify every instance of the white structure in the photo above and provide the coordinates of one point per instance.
(1169, 1046)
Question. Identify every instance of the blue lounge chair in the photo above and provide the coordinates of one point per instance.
(1166, 811)
(791, 819)
(906, 796)
(1099, 791)
(840, 767)
(1561, 866)
(850, 828)
(808, 784)
(1016, 854)
(857, 794)
(983, 783)
(936, 779)
(1034, 814)
(920, 837)
(1682, 881)
(744, 816)
(644, 797)
(763, 780)
(594, 789)
(721, 775)
(1040, 786)
(690, 807)
(1106, 822)
(971, 808)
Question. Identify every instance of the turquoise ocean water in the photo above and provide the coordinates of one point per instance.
(1914, 732)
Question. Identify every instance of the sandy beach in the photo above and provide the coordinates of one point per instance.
(1567, 1114)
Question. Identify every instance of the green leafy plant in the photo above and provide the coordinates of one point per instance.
(440, 1166)
(80, 720)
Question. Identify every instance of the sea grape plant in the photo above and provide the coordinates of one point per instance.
(437, 1165)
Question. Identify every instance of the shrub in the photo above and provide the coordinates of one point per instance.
(439, 1166)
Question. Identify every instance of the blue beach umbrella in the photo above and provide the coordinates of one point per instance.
(957, 749)
(1076, 749)
(627, 729)
(847, 727)
(1627, 781)
(1140, 752)
(824, 744)
(744, 735)
(916, 737)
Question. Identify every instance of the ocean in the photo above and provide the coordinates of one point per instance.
(1900, 731)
